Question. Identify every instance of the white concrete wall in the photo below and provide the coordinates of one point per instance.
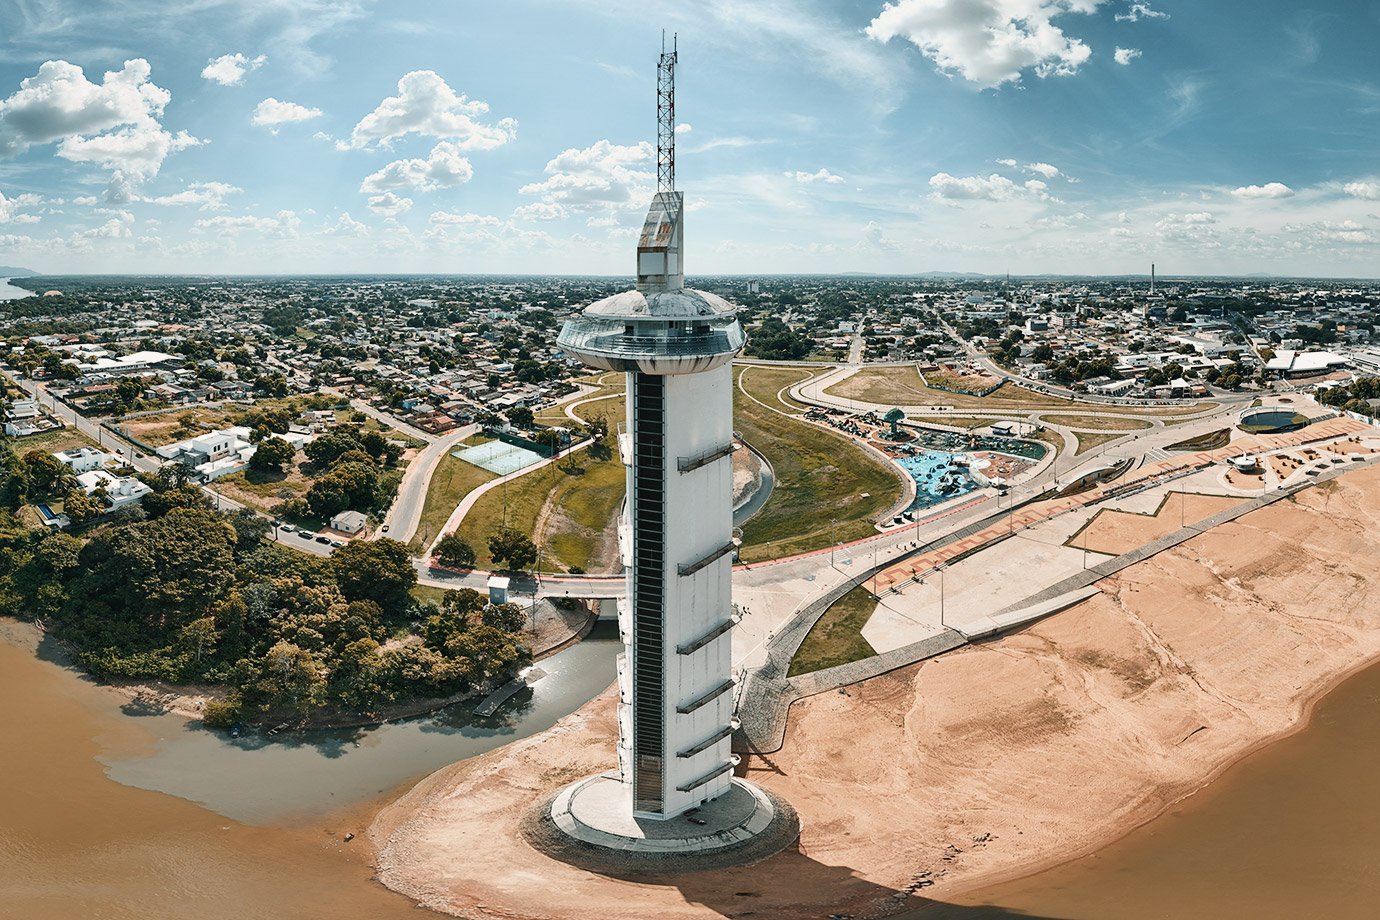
(699, 411)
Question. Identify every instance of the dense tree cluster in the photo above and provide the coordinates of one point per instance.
(774, 340)
(1353, 397)
(191, 594)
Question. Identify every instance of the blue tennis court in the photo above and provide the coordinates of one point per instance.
(499, 457)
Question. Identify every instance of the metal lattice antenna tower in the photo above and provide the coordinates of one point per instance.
(666, 117)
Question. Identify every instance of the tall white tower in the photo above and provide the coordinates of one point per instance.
(676, 346)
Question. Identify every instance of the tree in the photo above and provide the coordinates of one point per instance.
(513, 548)
(81, 509)
(598, 427)
(272, 455)
(520, 416)
(375, 570)
(454, 552)
(509, 618)
(327, 448)
(348, 485)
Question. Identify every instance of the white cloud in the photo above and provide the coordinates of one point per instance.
(347, 226)
(1268, 190)
(273, 112)
(988, 42)
(602, 177)
(1006, 162)
(282, 224)
(114, 124)
(85, 200)
(444, 167)
(229, 69)
(1044, 169)
(1366, 189)
(1124, 56)
(989, 188)
(466, 219)
(1138, 11)
(11, 208)
(427, 106)
(683, 128)
(389, 204)
(805, 178)
(207, 196)
(117, 227)
(540, 210)
(1323, 232)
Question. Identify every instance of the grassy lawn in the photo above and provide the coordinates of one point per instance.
(821, 476)
(568, 507)
(1090, 440)
(58, 439)
(451, 481)
(769, 384)
(265, 491)
(902, 385)
(611, 409)
(1103, 423)
(837, 637)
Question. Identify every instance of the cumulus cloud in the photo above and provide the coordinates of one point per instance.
(1139, 11)
(1124, 56)
(540, 210)
(282, 224)
(823, 175)
(1268, 190)
(988, 42)
(229, 69)
(683, 128)
(602, 177)
(347, 226)
(1348, 232)
(984, 188)
(114, 124)
(206, 196)
(273, 112)
(389, 204)
(1044, 169)
(1365, 189)
(427, 106)
(12, 209)
(444, 167)
(466, 219)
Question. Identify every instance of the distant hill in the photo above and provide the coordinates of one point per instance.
(9, 271)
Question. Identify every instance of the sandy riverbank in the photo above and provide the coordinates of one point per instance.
(986, 763)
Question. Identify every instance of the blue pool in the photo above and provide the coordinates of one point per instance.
(938, 476)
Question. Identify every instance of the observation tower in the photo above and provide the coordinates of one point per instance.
(676, 689)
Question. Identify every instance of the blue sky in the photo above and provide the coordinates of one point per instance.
(1076, 136)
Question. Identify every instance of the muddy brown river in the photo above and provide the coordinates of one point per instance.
(1292, 831)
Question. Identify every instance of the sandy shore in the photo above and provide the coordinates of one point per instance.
(987, 763)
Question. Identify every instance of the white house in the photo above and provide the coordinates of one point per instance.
(83, 459)
(348, 522)
(120, 490)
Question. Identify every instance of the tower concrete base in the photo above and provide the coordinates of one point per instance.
(590, 824)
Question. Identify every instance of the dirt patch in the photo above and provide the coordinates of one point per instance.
(1116, 532)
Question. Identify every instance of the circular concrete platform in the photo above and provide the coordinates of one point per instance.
(590, 824)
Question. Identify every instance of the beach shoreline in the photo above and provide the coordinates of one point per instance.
(1183, 666)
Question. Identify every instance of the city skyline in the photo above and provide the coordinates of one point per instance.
(1036, 136)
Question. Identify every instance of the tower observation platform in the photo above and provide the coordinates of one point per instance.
(674, 792)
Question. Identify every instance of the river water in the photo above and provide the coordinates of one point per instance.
(11, 292)
(1289, 832)
(1292, 831)
(76, 843)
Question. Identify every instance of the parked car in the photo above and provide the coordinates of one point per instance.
(325, 540)
(304, 535)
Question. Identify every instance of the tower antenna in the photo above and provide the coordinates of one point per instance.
(666, 117)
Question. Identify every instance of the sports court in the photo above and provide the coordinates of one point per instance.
(499, 457)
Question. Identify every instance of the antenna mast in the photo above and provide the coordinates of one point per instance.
(666, 117)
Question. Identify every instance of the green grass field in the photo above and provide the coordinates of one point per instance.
(902, 385)
(567, 507)
(837, 637)
(768, 384)
(821, 477)
(451, 481)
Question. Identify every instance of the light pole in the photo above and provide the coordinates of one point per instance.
(942, 566)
